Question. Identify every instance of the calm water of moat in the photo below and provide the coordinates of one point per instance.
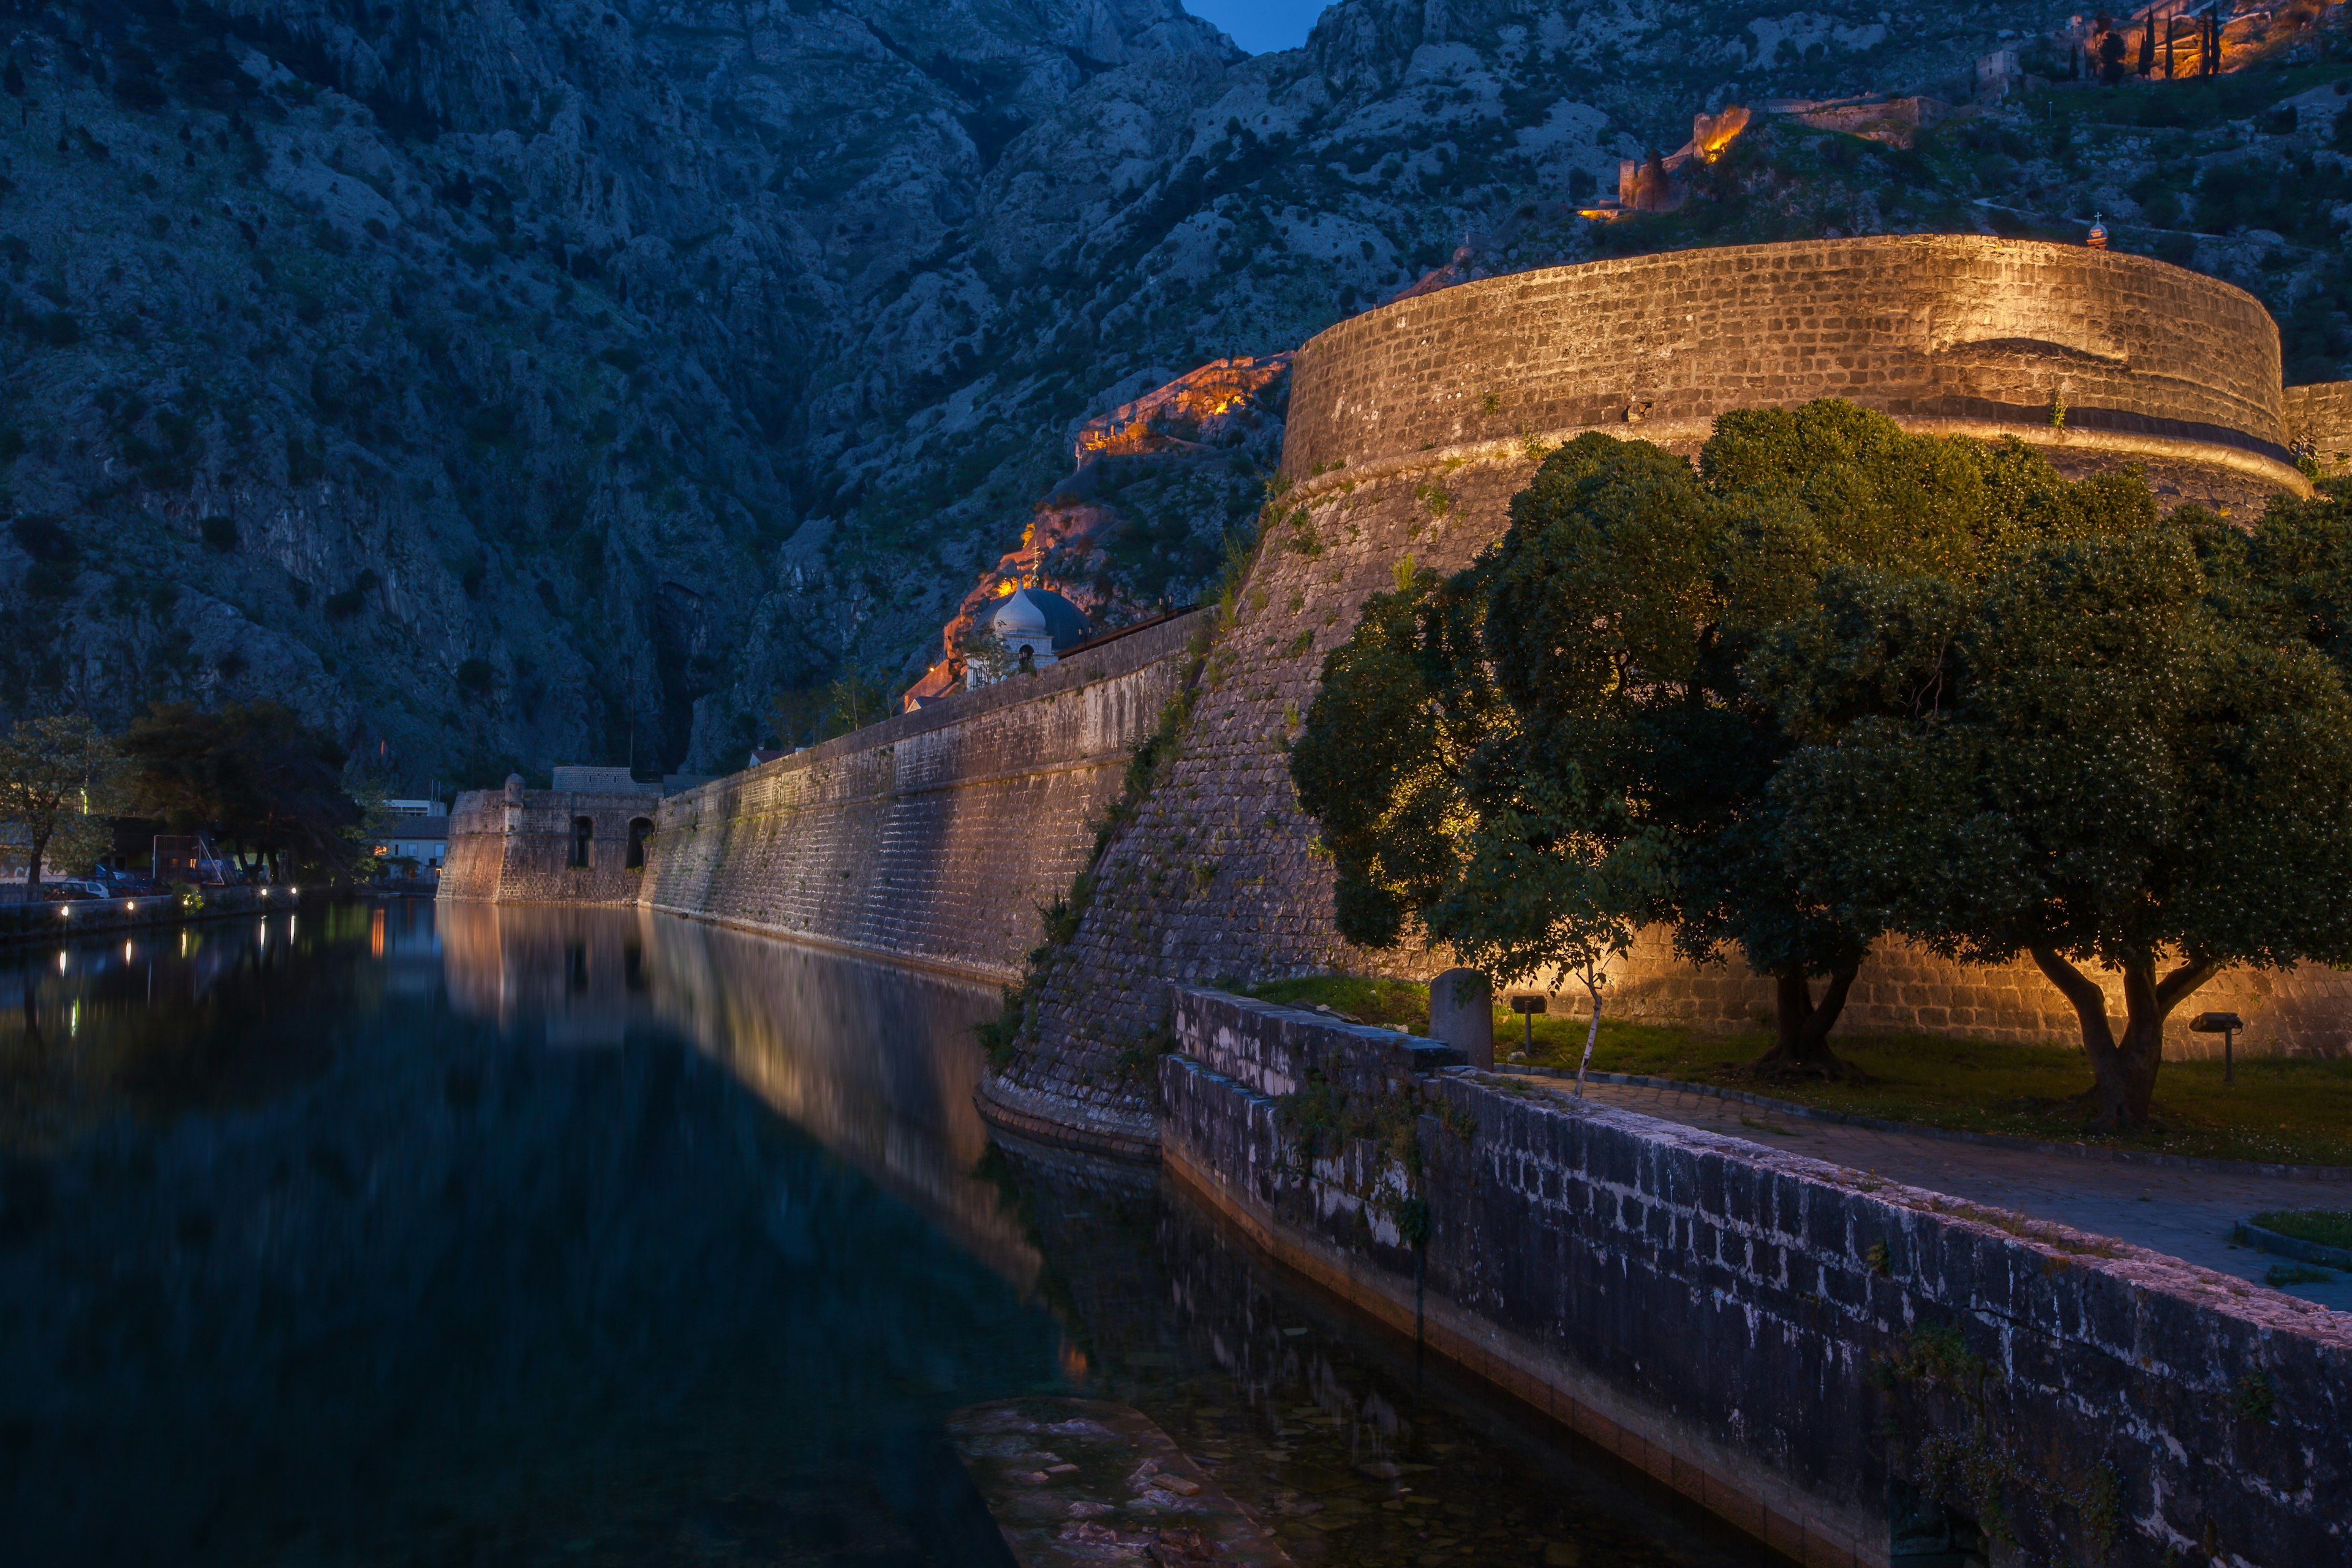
(379, 1235)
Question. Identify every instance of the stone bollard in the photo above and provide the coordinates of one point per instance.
(1461, 1013)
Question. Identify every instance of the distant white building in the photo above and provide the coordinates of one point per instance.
(416, 808)
(416, 836)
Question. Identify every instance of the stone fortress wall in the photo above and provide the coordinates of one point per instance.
(1410, 429)
(934, 838)
(2319, 426)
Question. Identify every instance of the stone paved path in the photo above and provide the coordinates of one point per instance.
(2186, 1213)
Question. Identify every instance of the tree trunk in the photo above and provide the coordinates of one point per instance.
(1590, 1035)
(34, 849)
(1802, 1044)
(2124, 1067)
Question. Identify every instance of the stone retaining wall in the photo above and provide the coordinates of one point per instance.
(1783, 1339)
(2303, 1011)
(935, 836)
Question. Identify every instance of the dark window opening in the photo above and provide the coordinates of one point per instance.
(640, 829)
(583, 834)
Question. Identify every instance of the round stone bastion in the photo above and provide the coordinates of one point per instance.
(2096, 359)
(1412, 426)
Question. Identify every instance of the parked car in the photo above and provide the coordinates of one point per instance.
(65, 887)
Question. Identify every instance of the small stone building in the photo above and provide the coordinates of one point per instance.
(583, 841)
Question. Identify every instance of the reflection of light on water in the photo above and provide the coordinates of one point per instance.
(875, 1062)
(126, 952)
(375, 932)
(61, 960)
(73, 1017)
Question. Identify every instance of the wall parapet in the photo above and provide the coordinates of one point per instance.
(1750, 1325)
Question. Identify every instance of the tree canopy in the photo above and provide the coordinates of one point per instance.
(1636, 706)
(59, 781)
(253, 773)
(2130, 749)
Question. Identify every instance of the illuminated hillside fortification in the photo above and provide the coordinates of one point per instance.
(1411, 426)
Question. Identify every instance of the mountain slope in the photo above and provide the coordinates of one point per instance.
(509, 384)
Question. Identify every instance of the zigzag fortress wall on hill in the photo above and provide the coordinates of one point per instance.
(1411, 426)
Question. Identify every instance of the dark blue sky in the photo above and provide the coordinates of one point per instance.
(1260, 26)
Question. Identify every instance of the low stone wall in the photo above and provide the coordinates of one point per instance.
(1791, 1344)
(515, 845)
(42, 922)
(936, 837)
(2319, 425)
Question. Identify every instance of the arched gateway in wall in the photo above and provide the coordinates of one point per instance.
(1411, 426)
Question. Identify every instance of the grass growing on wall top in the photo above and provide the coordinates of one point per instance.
(2290, 1109)
(2328, 1227)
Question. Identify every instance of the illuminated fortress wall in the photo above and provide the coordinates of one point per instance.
(1409, 429)
(933, 837)
(2319, 423)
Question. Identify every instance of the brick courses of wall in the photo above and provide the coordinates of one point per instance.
(1722, 1314)
(1217, 876)
(2319, 422)
(515, 845)
(1950, 332)
(935, 836)
(2303, 1011)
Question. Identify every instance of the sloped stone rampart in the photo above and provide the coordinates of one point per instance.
(516, 848)
(2319, 425)
(935, 836)
(1218, 876)
(1726, 1316)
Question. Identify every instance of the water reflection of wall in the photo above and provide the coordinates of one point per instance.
(878, 1063)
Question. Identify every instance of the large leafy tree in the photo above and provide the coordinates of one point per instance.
(2132, 750)
(1579, 700)
(255, 773)
(59, 781)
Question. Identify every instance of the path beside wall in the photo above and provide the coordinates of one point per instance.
(1788, 1341)
(937, 836)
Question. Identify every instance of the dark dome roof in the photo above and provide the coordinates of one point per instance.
(1030, 615)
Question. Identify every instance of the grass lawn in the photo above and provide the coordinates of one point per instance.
(2295, 1110)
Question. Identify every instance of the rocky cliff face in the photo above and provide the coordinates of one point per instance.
(507, 383)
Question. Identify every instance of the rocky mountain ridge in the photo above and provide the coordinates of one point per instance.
(509, 384)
